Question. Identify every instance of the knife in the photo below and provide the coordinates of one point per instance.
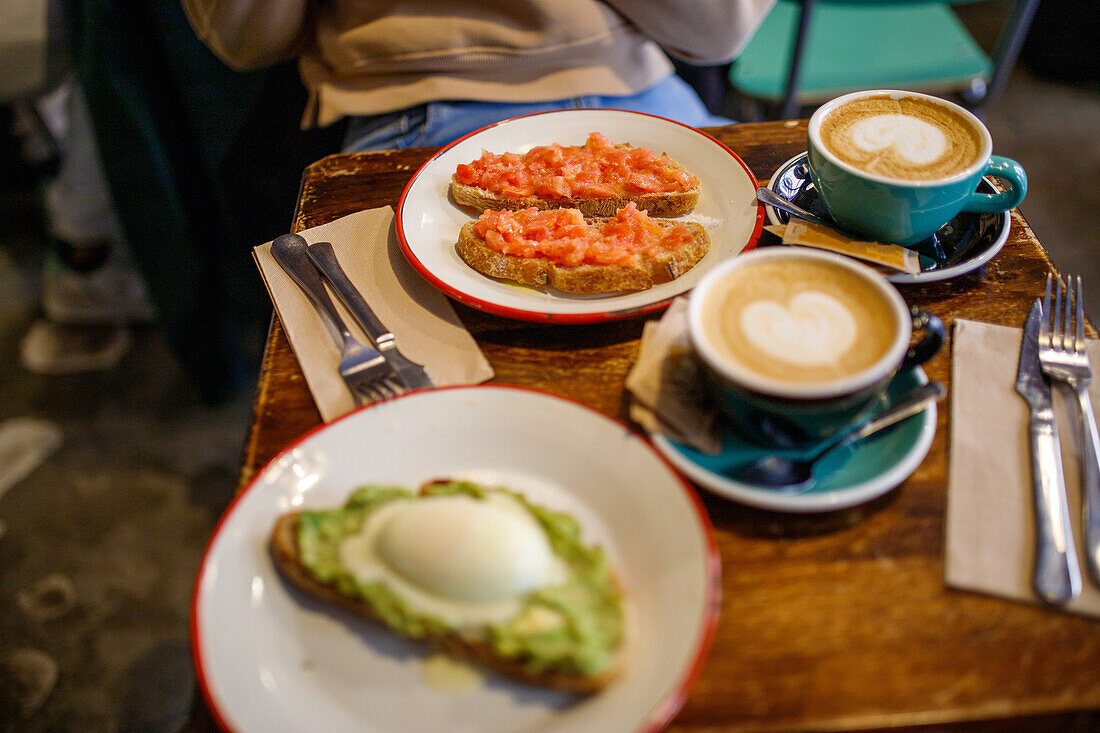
(1057, 576)
(409, 373)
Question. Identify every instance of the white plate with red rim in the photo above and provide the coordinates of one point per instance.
(270, 659)
(428, 220)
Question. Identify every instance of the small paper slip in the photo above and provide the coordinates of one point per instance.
(421, 318)
(808, 234)
(990, 532)
(666, 384)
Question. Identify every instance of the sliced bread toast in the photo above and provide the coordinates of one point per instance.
(557, 176)
(656, 204)
(585, 279)
(284, 549)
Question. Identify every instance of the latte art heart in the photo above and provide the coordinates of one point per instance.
(799, 319)
(812, 329)
(906, 138)
(914, 140)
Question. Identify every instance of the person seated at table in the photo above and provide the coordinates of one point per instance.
(424, 73)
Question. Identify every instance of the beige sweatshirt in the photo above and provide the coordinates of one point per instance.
(363, 57)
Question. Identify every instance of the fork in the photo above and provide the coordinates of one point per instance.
(364, 369)
(1063, 358)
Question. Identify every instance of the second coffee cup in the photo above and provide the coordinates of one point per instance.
(798, 343)
(896, 166)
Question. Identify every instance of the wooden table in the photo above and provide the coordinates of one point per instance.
(836, 621)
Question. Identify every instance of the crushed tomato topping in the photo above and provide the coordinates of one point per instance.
(597, 169)
(563, 237)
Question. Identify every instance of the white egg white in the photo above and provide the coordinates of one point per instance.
(466, 561)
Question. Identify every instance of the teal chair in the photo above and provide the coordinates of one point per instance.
(809, 51)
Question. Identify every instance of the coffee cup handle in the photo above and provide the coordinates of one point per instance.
(931, 329)
(1007, 170)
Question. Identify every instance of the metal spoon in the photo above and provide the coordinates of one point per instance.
(795, 475)
(769, 196)
(291, 251)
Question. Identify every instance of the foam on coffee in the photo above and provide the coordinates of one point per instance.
(908, 138)
(798, 321)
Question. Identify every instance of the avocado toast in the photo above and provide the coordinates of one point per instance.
(546, 609)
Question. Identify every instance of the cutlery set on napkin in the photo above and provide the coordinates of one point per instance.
(1023, 504)
(1051, 351)
(370, 373)
(357, 257)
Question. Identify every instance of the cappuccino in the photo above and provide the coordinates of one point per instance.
(901, 137)
(798, 321)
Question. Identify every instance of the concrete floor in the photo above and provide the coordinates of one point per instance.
(1051, 129)
(124, 506)
(99, 546)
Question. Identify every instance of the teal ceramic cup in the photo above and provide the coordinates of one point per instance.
(905, 211)
(752, 316)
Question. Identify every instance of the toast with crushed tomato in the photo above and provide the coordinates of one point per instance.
(557, 185)
(657, 204)
(285, 551)
(641, 272)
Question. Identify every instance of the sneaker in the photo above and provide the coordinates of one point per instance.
(27, 677)
(111, 293)
(59, 348)
(25, 444)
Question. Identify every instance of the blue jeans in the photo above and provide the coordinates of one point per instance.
(440, 123)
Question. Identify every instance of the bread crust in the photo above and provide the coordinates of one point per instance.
(656, 204)
(584, 279)
(283, 547)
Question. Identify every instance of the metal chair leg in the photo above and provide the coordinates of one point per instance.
(1009, 42)
(790, 101)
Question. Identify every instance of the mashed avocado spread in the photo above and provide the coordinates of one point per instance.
(572, 627)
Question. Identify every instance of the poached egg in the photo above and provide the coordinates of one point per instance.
(463, 560)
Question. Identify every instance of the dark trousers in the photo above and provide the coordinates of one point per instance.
(203, 163)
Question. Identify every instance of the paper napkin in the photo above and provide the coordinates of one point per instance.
(666, 384)
(421, 318)
(990, 532)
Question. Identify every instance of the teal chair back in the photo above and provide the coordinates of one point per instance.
(809, 51)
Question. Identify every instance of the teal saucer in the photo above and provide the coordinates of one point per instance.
(846, 477)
